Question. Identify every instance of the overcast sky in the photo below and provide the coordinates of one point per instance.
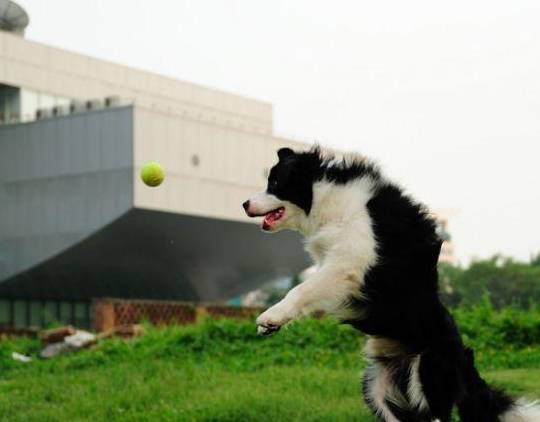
(444, 95)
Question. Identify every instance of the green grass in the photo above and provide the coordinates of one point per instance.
(216, 371)
(173, 391)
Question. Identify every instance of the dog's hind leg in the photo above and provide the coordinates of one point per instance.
(377, 387)
(385, 398)
(439, 378)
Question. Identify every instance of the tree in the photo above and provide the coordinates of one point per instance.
(504, 280)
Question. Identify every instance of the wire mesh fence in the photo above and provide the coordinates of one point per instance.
(110, 313)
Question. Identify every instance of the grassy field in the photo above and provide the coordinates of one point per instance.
(171, 391)
(217, 371)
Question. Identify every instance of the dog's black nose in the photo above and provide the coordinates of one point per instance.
(246, 205)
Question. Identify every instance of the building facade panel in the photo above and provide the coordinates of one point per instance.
(211, 169)
(61, 179)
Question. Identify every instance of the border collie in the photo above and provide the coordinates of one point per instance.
(376, 253)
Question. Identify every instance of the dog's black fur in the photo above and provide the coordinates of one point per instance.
(399, 295)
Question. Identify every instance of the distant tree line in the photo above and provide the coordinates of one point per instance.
(505, 281)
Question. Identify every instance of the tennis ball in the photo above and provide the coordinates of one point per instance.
(152, 174)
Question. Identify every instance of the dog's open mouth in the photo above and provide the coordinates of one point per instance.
(271, 217)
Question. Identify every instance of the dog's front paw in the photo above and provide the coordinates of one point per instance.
(272, 320)
(267, 330)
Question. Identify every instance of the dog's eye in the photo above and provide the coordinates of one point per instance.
(273, 183)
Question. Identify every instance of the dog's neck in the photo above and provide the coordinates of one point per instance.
(334, 208)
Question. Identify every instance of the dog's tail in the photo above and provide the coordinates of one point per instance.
(484, 403)
(522, 411)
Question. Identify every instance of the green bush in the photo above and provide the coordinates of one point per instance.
(483, 326)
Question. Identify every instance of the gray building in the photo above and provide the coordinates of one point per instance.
(76, 222)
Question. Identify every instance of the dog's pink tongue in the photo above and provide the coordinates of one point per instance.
(270, 217)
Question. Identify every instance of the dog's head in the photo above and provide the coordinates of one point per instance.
(288, 198)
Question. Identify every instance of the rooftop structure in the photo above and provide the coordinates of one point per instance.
(13, 17)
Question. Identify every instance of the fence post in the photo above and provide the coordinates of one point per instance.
(200, 312)
(104, 317)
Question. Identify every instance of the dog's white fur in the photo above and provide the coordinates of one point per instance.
(523, 411)
(339, 237)
(414, 391)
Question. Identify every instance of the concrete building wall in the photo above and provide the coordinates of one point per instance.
(60, 180)
(210, 169)
(57, 72)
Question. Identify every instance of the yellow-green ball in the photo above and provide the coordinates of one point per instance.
(152, 174)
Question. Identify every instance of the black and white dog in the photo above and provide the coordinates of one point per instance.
(376, 253)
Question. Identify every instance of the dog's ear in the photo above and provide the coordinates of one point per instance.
(284, 152)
